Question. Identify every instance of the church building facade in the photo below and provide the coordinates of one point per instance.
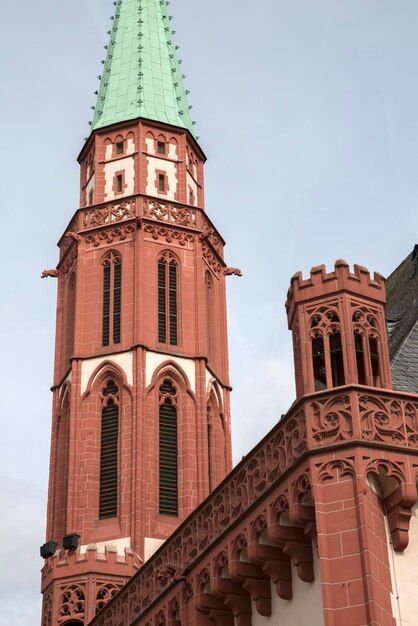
(147, 522)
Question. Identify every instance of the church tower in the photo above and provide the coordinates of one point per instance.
(141, 420)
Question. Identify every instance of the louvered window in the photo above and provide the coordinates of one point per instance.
(168, 451)
(117, 289)
(112, 299)
(168, 300)
(108, 505)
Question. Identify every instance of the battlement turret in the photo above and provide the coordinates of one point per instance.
(338, 326)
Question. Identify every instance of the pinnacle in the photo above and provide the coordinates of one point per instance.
(141, 75)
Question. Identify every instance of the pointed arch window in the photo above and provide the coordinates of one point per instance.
(168, 449)
(108, 497)
(112, 295)
(168, 299)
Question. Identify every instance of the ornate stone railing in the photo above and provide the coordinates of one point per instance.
(362, 413)
(169, 213)
(350, 414)
(108, 214)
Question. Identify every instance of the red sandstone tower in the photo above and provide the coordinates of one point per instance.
(141, 423)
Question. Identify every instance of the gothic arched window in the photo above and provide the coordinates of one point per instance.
(168, 299)
(108, 498)
(366, 341)
(168, 449)
(112, 292)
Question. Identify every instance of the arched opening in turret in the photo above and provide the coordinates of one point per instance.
(337, 363)
(374, 360)
(359, 348)
(318, 361)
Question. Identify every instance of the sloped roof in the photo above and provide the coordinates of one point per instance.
(402, 323)
(141, 75)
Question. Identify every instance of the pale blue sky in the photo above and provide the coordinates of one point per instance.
(307, 111)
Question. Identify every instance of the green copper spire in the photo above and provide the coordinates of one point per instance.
(141, 75)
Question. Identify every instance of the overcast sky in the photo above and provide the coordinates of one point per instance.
(308, 113)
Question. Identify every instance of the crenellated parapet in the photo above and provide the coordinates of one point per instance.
(322, 283)
(78, 584)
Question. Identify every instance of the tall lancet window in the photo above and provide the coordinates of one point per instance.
(168, 450)
(108, 498)
(168, 299)
(112, 293)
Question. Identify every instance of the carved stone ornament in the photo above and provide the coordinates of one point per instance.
(109, 236)
(211, 260)
(110, 214)
(168, 234)
(166, 212)
(210, 234)
(50, 274)
(169, 574)
(74, 236)
(384, 420)
(69, 260)
(232, 271)
(332, 419)
(72, 601)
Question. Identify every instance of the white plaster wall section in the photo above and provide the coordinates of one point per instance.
(109, 152)
(172, 152)
(155, 359)
(126, 165)
(119, 544)
(150, 143)
(69, 377)
(304, 608)
(124, 360)
(170, 170)
(130, 146)
(404, 572)
(90, 187)
(151, 546)
(191, 183)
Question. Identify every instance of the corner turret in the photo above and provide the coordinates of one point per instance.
(338, 326)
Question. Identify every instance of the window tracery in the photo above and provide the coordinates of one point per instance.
(104, 594)
(366, 342)
(327, 352)
(72, 601)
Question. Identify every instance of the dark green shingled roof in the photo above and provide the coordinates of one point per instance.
(402, 323)
(141, 75)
